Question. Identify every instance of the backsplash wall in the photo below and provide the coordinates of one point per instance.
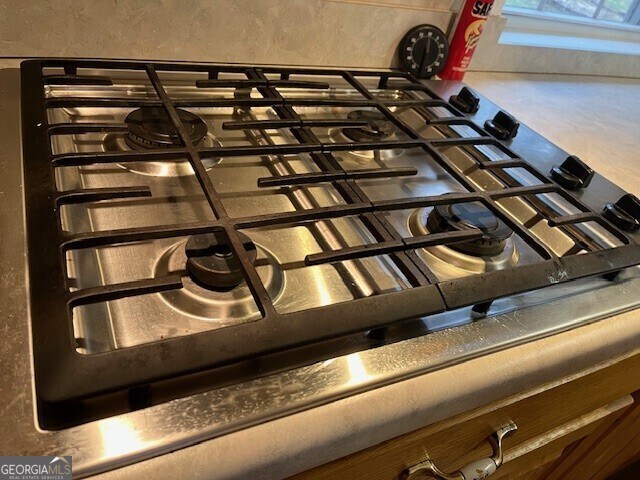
(354, 33)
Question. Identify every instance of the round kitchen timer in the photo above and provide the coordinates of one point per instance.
(423, 51)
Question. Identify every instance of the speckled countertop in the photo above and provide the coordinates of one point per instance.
(595, 118)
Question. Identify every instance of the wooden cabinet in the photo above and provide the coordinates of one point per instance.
(613, 446)
(584, 428)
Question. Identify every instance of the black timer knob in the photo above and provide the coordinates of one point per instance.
(466, 101)
(625, 213)
(572, 174)
(503, 126)
(423, 51)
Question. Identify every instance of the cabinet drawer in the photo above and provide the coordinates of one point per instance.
(456, 442)
(550, 446)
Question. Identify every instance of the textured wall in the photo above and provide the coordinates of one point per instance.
(360, 33)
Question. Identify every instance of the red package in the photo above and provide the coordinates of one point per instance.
(465, 38)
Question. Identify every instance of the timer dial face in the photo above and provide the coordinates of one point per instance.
(423, 51)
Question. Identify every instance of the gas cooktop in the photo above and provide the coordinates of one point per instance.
(192, 225)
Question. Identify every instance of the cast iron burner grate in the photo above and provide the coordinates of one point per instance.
(62, 374)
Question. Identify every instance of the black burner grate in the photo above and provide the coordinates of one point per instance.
(64, 374)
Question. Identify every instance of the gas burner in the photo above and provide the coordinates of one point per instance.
(452, 261)
(228, 304)
(151, 127)
(379, 127)
(212, 263)
(465, 216)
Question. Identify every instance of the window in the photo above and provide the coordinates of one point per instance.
(627, 11)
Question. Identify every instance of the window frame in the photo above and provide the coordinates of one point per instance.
(631, 17)
(532, 28)
(518, 19)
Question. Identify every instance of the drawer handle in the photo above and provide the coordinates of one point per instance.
(475, 470)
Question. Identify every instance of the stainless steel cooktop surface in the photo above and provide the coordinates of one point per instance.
(194, 205)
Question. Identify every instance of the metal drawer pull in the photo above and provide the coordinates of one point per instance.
(473, 471)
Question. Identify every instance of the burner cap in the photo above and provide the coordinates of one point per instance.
(464, 216)
(379, 126)
(151, 127)
(212, 264)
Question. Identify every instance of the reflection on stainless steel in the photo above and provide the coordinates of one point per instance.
(110, 442)
(115, 142)
(118, 436)
(357, 371)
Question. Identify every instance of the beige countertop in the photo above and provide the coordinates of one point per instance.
(594, 118)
